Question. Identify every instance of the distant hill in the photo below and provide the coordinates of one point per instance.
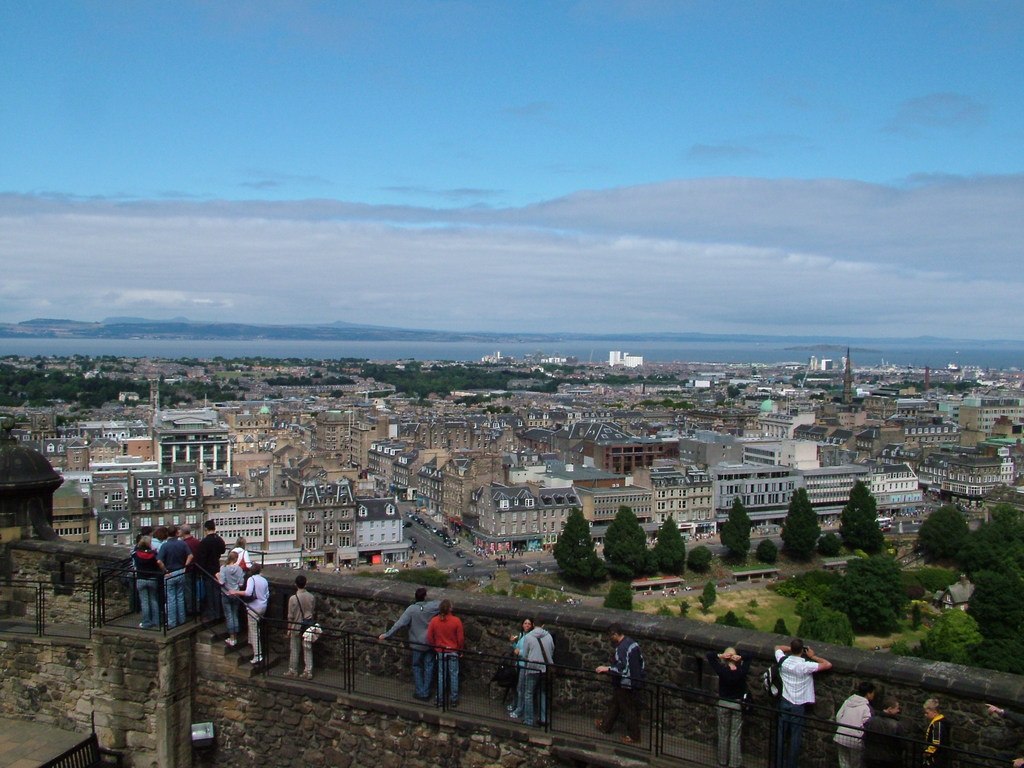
(182, 328)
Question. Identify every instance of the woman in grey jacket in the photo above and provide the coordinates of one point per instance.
(851, 717)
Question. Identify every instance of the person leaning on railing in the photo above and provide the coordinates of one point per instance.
(732, 669)
(148, 574)
(1014, 717)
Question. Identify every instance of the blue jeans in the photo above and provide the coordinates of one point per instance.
(176, 599)
(448, 676)
(790, 734)
(530, 690)
(149, 591)
(422, 672)
(230, 606)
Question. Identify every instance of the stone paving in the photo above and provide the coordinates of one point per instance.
(25, 744)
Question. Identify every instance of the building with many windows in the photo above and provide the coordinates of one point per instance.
(685, 494)
(198, 439)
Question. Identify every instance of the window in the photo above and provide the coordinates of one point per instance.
(106, 525)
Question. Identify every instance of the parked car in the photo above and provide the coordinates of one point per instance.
(469, 563)
(389, 570)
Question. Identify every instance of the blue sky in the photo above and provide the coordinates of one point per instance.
(674, 165)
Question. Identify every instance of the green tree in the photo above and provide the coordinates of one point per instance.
(625, 546)
(730, 619)
(699, 560)
(1002, 654)
(824, 624)
(951, 638)
(708, 596)
(871, 594)
(801, 530)
(684, 608)
(997, 545)
(670, 551)
(858, 524)
(767, 552)
(997, 606)
(942, 534)
(574, 551)
(780, 627)
(735, 531)
(620, 596)
(829, 545)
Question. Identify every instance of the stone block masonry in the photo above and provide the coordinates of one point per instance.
(144, 689)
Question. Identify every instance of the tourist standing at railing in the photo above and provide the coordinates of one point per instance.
(885, 737)
(301, 615)
(797, 667)
(628, 673)
(445, 635)
(417, 618)
(1014, 717)
(850, 719)
(244, 560)
(174, 557)
(537, 652)
(231, 578)
(937, 736)
(148, 574)
(211, 549)
(192, 581)
(732, 669)
(256, 595)
(516, 641)
(159, 537)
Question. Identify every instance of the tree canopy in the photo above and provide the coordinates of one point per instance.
(620, 596)
(942, 533)
(670, 550)
(801, 530)
(735, 531)
(997, 606)
(824, 624)
(625, 546)
(951, 638)
(767, 552)
(708, 596)
(871, 594)
(996, 545)
(858, 523)
(574, 551)
(830, 545)
(699, 560)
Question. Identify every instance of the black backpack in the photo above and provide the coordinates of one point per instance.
(771, 680)
(507, 672)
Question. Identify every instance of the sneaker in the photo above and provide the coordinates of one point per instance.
(256, 660)
(511, 707)
(306, 675)
(514, 715)
(289, 673)
(231, 642)
(628, 740)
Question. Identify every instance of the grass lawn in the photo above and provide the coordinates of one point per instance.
(769, 608)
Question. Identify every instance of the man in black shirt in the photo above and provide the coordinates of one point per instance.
(211, 548)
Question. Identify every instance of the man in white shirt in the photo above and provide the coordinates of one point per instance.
(797, 664)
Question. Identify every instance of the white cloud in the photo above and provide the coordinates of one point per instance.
(937, 256)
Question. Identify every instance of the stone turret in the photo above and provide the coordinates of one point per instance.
(27, 485)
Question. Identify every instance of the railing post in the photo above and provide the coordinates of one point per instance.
(40, 609)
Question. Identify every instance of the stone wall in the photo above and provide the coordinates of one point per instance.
(144, 688)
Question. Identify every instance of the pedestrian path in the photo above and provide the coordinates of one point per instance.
(25, 744)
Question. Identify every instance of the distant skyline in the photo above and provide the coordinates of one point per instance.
(830, 168)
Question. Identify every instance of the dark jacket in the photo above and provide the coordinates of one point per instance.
(732, 683)
(937, 738)
(627, 667)
(146, 565)
(883, 741)
(209, 553)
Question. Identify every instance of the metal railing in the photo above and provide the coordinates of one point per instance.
(676, 722)
(46, 608)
